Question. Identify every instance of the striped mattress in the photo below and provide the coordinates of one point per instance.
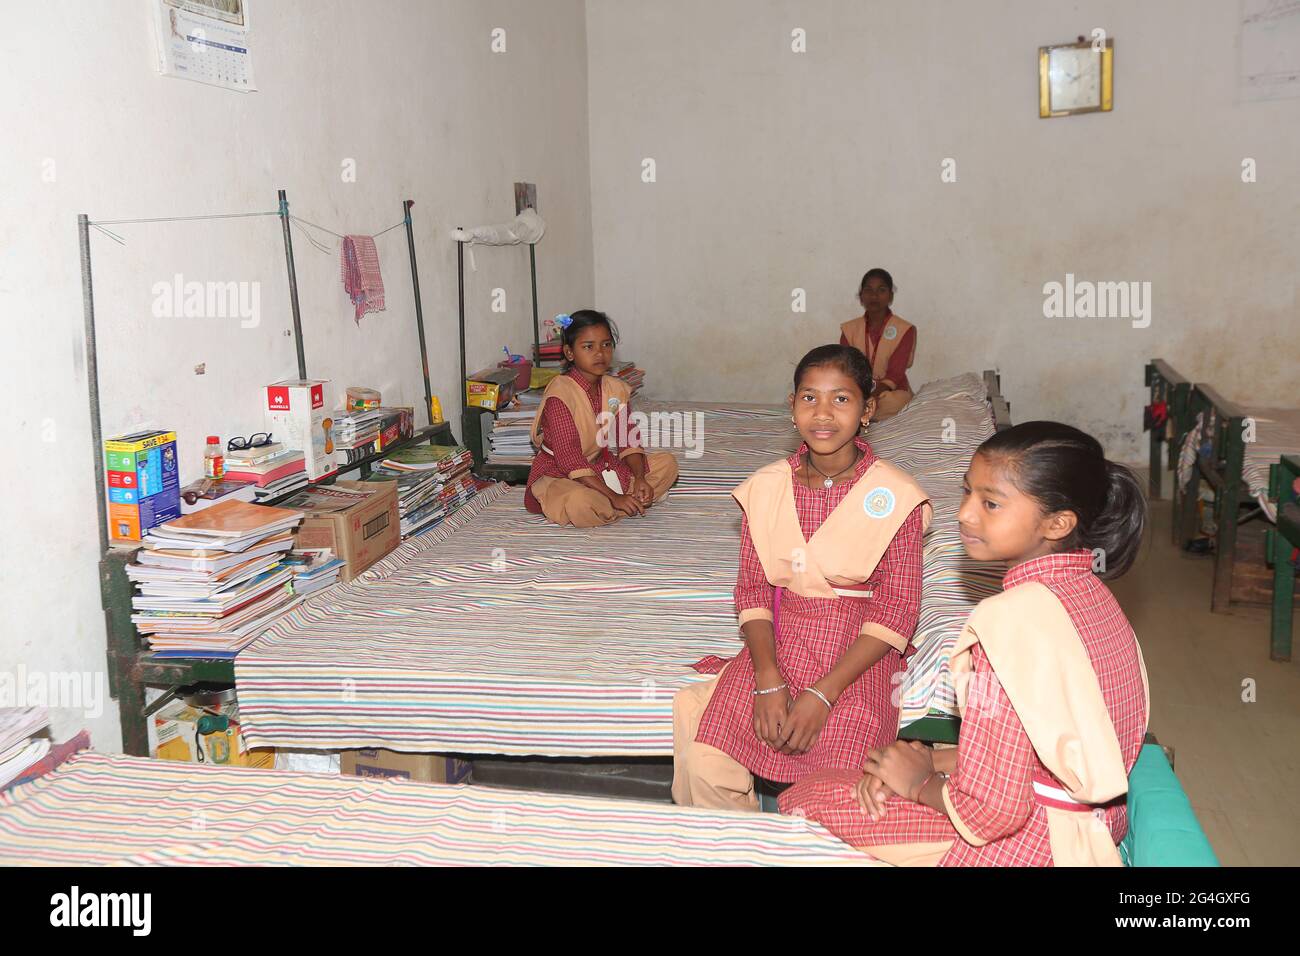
(101, 810)
(487, 636)
(1277, 433)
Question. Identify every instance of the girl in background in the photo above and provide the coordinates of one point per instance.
(885, 339)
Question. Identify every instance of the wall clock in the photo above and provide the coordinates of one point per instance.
(1076, 78)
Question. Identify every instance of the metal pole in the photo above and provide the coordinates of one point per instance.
(111, 633)
(293, 286)
(460, 288)
(92, 381)
(419, 312)
(532, 265)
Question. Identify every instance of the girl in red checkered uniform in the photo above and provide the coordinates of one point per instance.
(580, 474)
(1049, 677)
(827, 595)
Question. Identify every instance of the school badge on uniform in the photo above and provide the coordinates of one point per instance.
(613, 406)
(879, 503)
(891, 332)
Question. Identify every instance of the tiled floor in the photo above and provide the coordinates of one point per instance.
(1238, 760)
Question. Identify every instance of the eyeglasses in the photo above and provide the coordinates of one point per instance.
(256, 440)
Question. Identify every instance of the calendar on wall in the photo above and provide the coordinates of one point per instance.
(205, 41)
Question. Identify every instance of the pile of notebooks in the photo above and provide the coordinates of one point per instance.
(313, 569)
(551, 350)
(509, 441)
(358, 434)
(272, 469)
(432, 482)
(22, 743)
(628, 372)
(209, 583)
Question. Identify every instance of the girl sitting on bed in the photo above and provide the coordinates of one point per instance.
(827, 595)
(576, 478)
(885, 339)
(1048, 674)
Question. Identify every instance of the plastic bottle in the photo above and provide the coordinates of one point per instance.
(214, 460)
(435, 411)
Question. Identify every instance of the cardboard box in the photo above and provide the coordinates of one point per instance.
(492, 388)
(361, 533)
(177, 727)
(296, 416)
(427, 768)
(143, 483)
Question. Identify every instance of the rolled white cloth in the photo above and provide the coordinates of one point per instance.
(525, 227)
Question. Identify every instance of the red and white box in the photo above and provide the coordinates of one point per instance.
(296, 416)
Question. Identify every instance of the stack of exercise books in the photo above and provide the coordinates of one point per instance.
(628, 372)
(210, 583)
(432, 482)
(272, 469)
(22, 741)
(354, 434)
(313, 569)
(550, 351)
(509, 442)
(359, 434)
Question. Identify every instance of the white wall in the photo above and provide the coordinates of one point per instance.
(779, 170)
(408, 88)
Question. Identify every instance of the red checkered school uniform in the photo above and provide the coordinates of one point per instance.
(565, 456)
(812, 634)
(992, 787)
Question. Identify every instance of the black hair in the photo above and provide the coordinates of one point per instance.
(585, 319)
(1064, 469)
(880, 274)
(846, 358)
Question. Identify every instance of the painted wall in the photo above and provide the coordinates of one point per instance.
(779, 170)
(409, 90)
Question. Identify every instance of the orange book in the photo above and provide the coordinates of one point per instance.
(231, 519)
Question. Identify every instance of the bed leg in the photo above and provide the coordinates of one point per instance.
(1154, 463)
(1226, 502)
(1283, 596)
(1185, 525)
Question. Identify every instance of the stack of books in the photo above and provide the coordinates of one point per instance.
(550, 351)
(20, 745)
(313, 569)
(360, 434)
(355, 433)
(629, 373)
(510, 439)
(432, 482)
(210, 583)
(272, 469)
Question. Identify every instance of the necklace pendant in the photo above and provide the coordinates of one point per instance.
(827, 483)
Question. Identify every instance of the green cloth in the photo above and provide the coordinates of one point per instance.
(1162, 829)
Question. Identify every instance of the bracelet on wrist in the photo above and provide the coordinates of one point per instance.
(920, 791)
(822, 697)
(769, 690)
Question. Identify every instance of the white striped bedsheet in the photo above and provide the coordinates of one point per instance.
(101, 810)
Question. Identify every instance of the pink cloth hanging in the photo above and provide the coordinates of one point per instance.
(359, 263)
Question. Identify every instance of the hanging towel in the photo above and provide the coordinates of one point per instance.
(359, 263)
